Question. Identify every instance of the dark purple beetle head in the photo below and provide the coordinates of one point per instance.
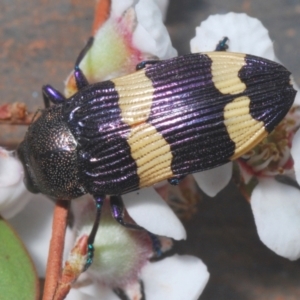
(49, 157)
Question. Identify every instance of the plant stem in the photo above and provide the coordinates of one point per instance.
(54, 263)
(102, 11)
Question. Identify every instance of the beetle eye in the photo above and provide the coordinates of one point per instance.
(29, 184)
(21, 151)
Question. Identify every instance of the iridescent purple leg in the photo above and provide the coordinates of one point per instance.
(80, 78)
(90, 255)
(117, 210)
(50, 94)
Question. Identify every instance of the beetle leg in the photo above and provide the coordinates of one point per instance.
(125, 295)
(80, 78)
(117, 209)
(50, 94)
(144, 63)
(222, 45)
(155, 244)
(99, 203)
(176, 180)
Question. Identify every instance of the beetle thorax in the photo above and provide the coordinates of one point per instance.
(49, 156)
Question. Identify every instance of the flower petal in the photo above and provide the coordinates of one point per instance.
(163, 7)
(11, 171)
(33, 224)
(213, 181)
(295, 150)
(176, 278)
(148, 210)
(246, 35)
(119, 7)
(92, 292)
(13, 194)
(13, 199)
(76, 294)
(276, 210)
(151, 35)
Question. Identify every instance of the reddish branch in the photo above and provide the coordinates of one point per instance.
(102, 11)
(15, 114)
(54, 264)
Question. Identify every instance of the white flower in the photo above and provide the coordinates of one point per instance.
(245, 34)
(133, 32)
(121, 258)
(276, 210)
(151, 35)
(275, 206)
(148, 210)
(163, 6)
(166, 279)
(13, 197)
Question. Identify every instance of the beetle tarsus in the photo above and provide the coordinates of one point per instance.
(99, 200)
(117, 210)
(144, 63)
(222, 45)
(122, 294)
(156, 244)
(176, 180)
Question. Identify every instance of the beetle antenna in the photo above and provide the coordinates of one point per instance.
(80, 78)
(50, 94)
(84, 51)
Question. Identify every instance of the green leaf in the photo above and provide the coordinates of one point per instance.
(18, 279)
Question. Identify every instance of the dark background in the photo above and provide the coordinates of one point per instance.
(39, 41)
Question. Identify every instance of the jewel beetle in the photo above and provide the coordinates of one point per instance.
(168, 119)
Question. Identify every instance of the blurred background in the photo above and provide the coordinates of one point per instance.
(40, 41)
